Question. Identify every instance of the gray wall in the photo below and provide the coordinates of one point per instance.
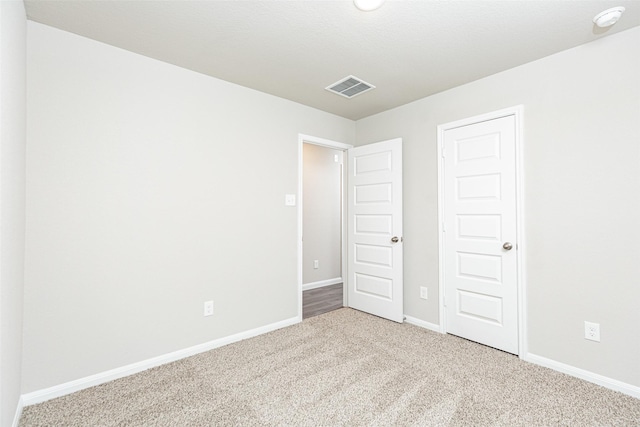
(150, 189)
(322, 205)
(13, 33)
(582, 196)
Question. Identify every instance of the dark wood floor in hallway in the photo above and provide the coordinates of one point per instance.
(321, 300)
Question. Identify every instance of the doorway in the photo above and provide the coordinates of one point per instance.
(480, 230)
(371, 258)
(321, 227)
(322, 184)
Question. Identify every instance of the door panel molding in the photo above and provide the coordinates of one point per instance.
(488, 150)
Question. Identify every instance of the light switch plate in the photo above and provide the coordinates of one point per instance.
(290, 199)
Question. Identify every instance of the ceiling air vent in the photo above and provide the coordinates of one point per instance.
(349, 87)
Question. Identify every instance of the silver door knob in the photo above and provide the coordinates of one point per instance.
(395, 239)
(508, 246)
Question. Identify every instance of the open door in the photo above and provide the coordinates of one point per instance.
(375, 229)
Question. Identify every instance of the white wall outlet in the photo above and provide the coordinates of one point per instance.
(592, 331)
(316, 264)
(208, 308)
(423, 292)
(290, 199)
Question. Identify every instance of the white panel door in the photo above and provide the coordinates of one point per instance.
(480, 265)
(375, 229)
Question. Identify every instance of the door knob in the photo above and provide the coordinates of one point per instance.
(508, 246)
(395, 239)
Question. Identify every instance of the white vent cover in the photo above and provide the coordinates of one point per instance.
(349, 87)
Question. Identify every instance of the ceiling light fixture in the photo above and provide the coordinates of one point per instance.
(608, 17)
(368, 5)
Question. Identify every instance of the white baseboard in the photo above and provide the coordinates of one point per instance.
(321, 283)
(592, 377)
(113, 374)
(417, 322)
(16, 418)
(607, 382)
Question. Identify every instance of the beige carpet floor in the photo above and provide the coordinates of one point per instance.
(344, 368)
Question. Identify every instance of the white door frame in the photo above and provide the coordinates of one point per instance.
(517, 112)
(306, 139)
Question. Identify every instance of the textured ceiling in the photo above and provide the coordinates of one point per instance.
(294, 49)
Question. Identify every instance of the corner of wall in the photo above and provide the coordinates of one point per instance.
(12, 204)
(18, 413)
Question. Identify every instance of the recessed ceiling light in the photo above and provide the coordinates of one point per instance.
(368, 5)
(608, 17)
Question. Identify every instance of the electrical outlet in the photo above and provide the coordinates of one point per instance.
(423, 292)
(316, 264)
(208, 308)
(592, 331)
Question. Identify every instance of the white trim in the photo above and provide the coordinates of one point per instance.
(345, 230)
(323, 142)
(521, 246)
(592, 377)
(307, 139)
(517, 112)
(16, 417)
(421, 323)
(321, 283)
(301, 139)
(439, 147)
(113, 374)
